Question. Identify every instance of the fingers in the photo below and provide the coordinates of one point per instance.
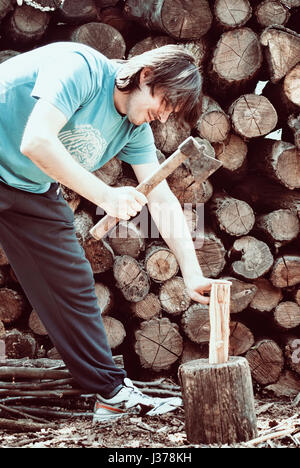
(199, 298)
(140, 198)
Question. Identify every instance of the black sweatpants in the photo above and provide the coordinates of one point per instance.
(38, 237)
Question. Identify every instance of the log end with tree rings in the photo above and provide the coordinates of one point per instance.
(149, 43)
(267, 296)
(195, 323)
(241, 339)
(131, 279)
(160, 263)
(174, 296)
(232, 15)
(105, 298)
(115, 331)
(12, 305)
(36, 325)
(286, 271)
(271, 12)
(101, 37)
(287, 315)
(147, 308)
(27, 25)
(266, 361)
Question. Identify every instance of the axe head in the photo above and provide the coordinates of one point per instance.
(199, 161)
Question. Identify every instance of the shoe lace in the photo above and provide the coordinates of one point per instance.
(135, 391)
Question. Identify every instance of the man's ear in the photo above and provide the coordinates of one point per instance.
(144, 75)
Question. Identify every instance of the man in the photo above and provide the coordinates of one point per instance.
(65, 110)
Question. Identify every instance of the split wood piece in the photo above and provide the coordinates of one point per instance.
(286, 271)
(160, 263)
(195, 323)
(26, 26)
(170, 134)
(277, 39)
(232, 14)
(264, 195)
(24, 425)
(213, 124)
(266, 361)
(210, 253)
(149, 43)
(276, 159)
(242, 294)
(287, 315)
(105, 298)
(292, 352)
(36, 325)
(3, 257)
(241, 339)
(147, 308)
(219, 314)
(115, 331)
(291, 85)
(235, 64)
(158, 344)
(174, 297)
(6, 6)
(12, 305)
(278, 227)
(179, 19)
(111, 172)
(256, 258)
(288, 385)
(101, 37)
(271, 12)
(131, 279)
(71, 12)
(186, 189)
(294, 125)
(127, 239)
(7, 54)
(233, 216)
(252, 115)
(71, 197)
(267, 296)
(232, 152)
(218, 401)
(19, 345)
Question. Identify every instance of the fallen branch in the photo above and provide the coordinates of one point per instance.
(23, 425)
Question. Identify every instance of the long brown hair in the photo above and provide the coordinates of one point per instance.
(174, 70)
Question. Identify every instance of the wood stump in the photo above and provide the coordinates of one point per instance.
(218, 401)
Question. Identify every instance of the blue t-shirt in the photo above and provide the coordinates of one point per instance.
(79, 81)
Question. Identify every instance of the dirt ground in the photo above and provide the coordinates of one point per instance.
(163, 431)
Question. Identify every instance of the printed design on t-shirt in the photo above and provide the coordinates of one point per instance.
(86, 145)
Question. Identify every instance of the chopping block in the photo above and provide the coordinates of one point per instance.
(217, 392)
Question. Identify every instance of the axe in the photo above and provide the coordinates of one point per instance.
(190, 152)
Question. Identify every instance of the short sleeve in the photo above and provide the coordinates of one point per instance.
(67, 83)
(140, 148)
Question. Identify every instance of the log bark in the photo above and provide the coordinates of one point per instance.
(277, 39)
(26, 26)
(19, 345)
(233, 216)
(71, 12)
(286, 271)
(233, 418)
(271, 12)
(181, 20)
(242, 294)
(158, 344)
(12, 305)
(115, 331)
(105, 298)
(147, 308)
(36, 325)
(131, 279)
(160, 263)
(213, 124)
(195, 323)
(232, 14)
(211, 253)
(174, 296)
(252, 115)
(266, 361)
(287, 315)
(267, 296)
(278, 227)
(101, 37)
(241, 338)
(256, 258)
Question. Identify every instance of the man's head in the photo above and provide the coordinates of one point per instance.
(157, 83)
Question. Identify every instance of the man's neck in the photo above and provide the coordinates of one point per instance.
(120, 100)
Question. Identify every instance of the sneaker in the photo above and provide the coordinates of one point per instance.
(130, 400)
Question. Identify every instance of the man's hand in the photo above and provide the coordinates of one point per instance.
(123, 202)
(198, 285)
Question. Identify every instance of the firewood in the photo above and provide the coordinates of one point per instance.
(242, 294)
(101, 37)
(24, 425)
(266, 361)
(271, 12)
(276, 39)
(232, 14)
(256, 258)
(294, 125)
(131, 279)
(2, 332)
(252, 116)
(279, 98)
(19, 345)
(105, 297)
(147, 308)
(170, 134)
(111, 172)
(291, 3)
(199, 49)
(267, 296)
(127, 239)
(160, 263)
(158, 344)
(211, 253)
(77, 12)
(213, 124)
(232, 152)
(180, 20)
(291, 85)
(288, 385)
(233, 216)
(12, 305)
(195, 323)
(241, 338)
(71, 197)
(278, 227)
(36, 325)
(174, 296)
(192, 351)
(292, 352)
(7, 54)
(115, 331)
(286, 271)
(287, 315)
(113, 16)
(297, 295)
(149, 43)
(26, 26)
(6, 6)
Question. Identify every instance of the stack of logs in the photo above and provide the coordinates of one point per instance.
(251, 205)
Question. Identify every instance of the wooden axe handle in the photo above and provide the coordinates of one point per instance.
(145, 187)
